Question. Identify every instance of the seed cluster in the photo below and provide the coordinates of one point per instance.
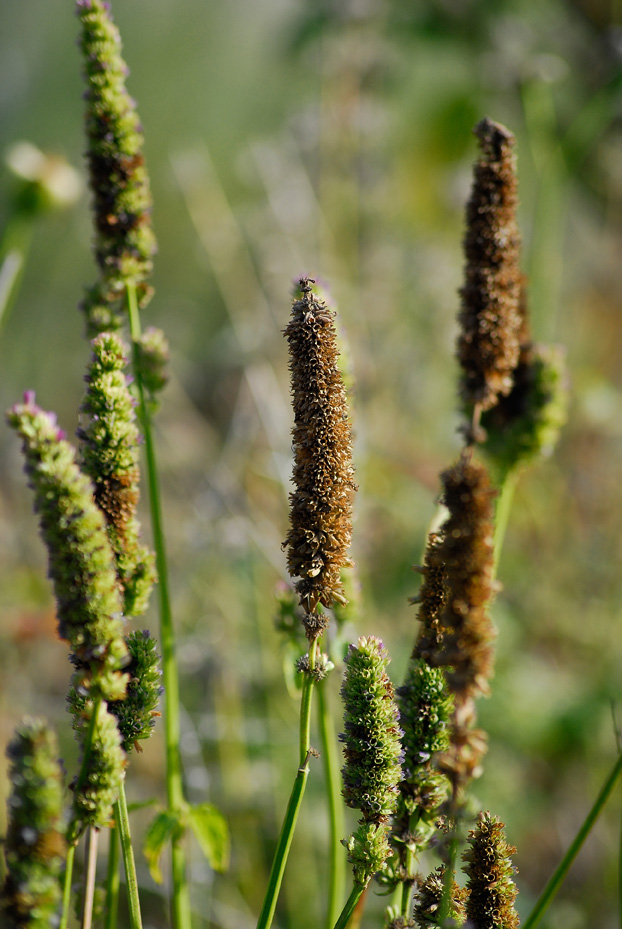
(321, 505)
(489, 868)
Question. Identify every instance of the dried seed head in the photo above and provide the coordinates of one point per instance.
(490, 316)
(35, 845)
(111, 459)
(428, 901)
(124, 240)
(491, 890)
(81, 562)
(432, 600)
(321, 506)
(466, 555)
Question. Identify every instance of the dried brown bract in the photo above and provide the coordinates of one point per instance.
(432, 600)
(321, 506)
(466, 555)
(491, 321)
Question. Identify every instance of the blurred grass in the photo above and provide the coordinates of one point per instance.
(334, 139)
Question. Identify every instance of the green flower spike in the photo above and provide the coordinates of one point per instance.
(321, 505)
(428, 901)
(489, 868)
(35, 843)
(124, 240)
(372, 754)
(97, 787)
(137, 713)
(111, 459)
(81, 562)
(153, 359)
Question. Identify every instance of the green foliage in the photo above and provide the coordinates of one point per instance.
(212, 833)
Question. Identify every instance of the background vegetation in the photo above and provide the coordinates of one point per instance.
(334, 138)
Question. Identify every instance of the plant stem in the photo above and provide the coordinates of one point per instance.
(291, 814)
(502, 513)
(337, 862)
(448, 883)
(13, 254)
(128, 859)
(112, 878)
(556, 880)
(90, 869)
(170, 676)
(71, 854)
(348, 910)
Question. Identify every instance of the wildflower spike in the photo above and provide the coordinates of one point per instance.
(321, 505)
(111, 459)
(81, 562)
(490, 316)
(137, 712)
(97, 789)
(124, 240)
(35, 843)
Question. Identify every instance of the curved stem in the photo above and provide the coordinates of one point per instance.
(350, 906)
(170, 675)
(557, 878)
(112, 878)
(293, 807)
(337, 861)
(128, 859)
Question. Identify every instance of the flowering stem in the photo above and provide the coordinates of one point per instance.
(557, 878)
(337, 863)
(170, 676)
(112, 878)
(291, 814)
(348, 910)
(128, 859)
(502, 512)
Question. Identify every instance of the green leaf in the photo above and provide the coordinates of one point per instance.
(212, 833)
(165, 827)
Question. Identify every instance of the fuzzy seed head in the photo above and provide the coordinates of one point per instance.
(34, 847)
(490, 315)
(137, 712)
(321, 505)
(488, 865)
(429, 897)
(81, 562)
(94, 798)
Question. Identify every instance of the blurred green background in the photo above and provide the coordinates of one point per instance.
(334, 139)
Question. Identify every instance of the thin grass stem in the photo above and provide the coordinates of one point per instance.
(350, 906)
(170, 676)
(502, 513)
(293, 807)
(112, 878)
(337, 861)
(90, 870)
(560, 873)
(128, 859)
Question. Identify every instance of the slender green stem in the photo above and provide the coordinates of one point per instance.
(557, 878)
(502, 513)
(71, 854)
(90, 869)
(293, 807)
(337, 860)
(170, 676)
(128, 859)
(620, 877)
(112, 878)
(13, 254)
(350, 906)
(448, 883)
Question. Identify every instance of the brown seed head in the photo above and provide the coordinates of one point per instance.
(466, 553)
(321, 506)
(492, 892)
(490, 316)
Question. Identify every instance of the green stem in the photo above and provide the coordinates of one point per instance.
(170, 676)
(556, 880)
(337, 862)
(448, 883)
(348, 910)
(71, 854)
(293, 807)
(112, 878)
(502, 513)
(128, 859)
(13, 254)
